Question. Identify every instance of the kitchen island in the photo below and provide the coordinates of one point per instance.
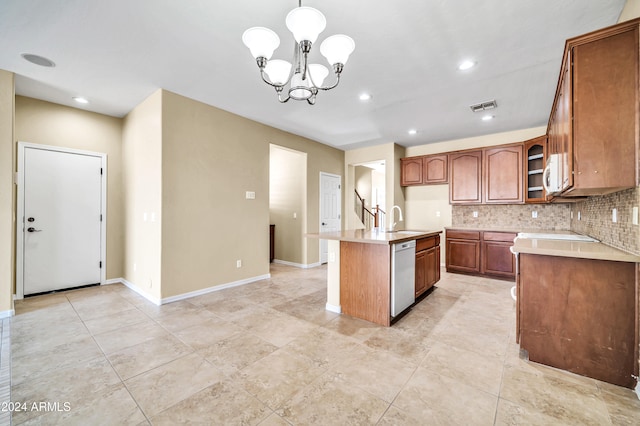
(577, 307)
(360, 272)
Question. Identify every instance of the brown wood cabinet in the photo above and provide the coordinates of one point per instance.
(427, 263)
(411, 171)
(594, 123)
(465, 177)
(424, 170)
(579, 315)
(480, 253)
(496, 256)
(502, 175)
(463, 251)
(534, 155)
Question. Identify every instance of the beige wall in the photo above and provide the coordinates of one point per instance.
(52, 124)
(7, 191)
(210, 158)
(287, 196)
(142, 193)
(631, 10)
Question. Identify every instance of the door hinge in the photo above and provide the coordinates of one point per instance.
(100, 218)
(339, 186)
(101, 264)
(100, 171)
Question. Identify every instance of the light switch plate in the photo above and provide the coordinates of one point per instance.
(534, 214)
(250, 195)
(635, 215)
(475, 214)
(614, 215)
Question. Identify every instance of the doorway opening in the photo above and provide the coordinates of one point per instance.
(288, 204)
(370, 194)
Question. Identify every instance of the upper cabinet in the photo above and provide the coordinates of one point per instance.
(593, 128)
(492, 176)
(535, 153)
(503, 176)
(425, 170)
(465, 177)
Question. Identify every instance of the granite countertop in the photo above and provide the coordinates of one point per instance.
(508, 229)
(568, 248)
(373, 236)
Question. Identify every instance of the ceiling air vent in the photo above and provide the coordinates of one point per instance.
(483, 106)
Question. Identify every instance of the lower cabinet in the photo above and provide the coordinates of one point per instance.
(481, 253)
(427, 263)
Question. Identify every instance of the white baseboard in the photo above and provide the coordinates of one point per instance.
(135, 288)
(297, 265)
(333, 308)
(7, 314)
(188, 295)
(214, 288)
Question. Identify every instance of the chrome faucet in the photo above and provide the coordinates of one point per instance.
(391, 222)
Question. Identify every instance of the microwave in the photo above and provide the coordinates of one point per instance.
(552, 176)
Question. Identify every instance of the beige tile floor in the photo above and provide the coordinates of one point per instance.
(269, 353)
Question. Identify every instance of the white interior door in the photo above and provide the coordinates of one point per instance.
(330, 208)
(61, 218)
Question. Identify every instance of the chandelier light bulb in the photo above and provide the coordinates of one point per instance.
(306, 23)
(337, 48)
(261, 41)
(278, 71)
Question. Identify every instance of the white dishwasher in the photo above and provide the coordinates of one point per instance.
(403, 276)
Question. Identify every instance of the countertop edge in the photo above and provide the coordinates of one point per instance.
(367, 237)
(608, 253)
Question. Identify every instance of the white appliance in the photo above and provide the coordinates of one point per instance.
(403, 276)
(552, 176)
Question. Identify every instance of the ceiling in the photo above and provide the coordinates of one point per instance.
(118, 52)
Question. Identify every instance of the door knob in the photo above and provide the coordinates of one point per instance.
(32, 229)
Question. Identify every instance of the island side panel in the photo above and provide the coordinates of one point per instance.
(580, 315)
(365, 281)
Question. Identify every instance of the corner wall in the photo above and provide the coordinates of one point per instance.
(142, 193)
(7, 193)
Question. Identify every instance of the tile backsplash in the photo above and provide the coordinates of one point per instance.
(517, 216)
(596, 214)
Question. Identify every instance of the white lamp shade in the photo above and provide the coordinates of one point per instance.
(299, 87)
(318, 73)
(306, 23)
(337, 48)
(261, 41)
(278, 71)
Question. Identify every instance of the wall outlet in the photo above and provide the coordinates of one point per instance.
(295, 215)
(475, 214)
(437, 214)
(634, 215)
(250, 195)
(614, 215)
(579, 216)
(332, 257)
(238, 263)
(534, 214)
(571, 214)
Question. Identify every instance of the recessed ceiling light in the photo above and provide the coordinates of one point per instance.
(80, 100)
(38, 60)
(412, 132)
(488, 117)
(365, 97)
(465, 65)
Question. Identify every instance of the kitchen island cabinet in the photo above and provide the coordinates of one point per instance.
(577, 308)
(427, 263)
(359, 270)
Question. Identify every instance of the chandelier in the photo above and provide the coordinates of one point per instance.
(303, 79)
